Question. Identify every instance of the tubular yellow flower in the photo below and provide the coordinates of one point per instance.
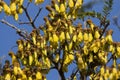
(67, 36)
(20, 10)
(57, 8)
(68, 58)
(85, 36)
(97, 34)
(8, 76)
(108, 37)
(85, 49)
(33, 35)
(48, 64)
(71, 3)
(14, 59)
(62, 36)
(74, 37)
(13, 7)
(30, 59)
(90, 36)
(21, 2)
(30, 78)
(6, 9)
(16, 16)
(70, 45)
(80, 36)
(57, 57)
(111, 48)
(15, 70)
(38, 76)
(91, 24)
(62, 8)
(102, 70)
(39, 1)
(55, 38)
(79, 3)
(20, 45)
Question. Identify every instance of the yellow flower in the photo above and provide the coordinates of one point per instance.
(6, 9)
(57, 57)
(90, 37)
(57, 8)
(108, 37)
(102, 70)
(16, 16)
(111, 48)
(78, 3)
(20, 10)
(67, 36)
(48, 64)
(70, 45)
(97, 34)
(13, 7)
(20, 45)
(62, 8)
(55, 38)
(38, 76)
(1, 8)
(80, 36)
(91, 24)
(74, 37)
(8, 76)
(21, 2)
(85, 36)
(71, 3)
(39, 1)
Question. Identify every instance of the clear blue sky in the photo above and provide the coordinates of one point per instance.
(8, 36)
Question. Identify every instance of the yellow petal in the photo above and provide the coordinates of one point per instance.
(71, 3)
(62, 8)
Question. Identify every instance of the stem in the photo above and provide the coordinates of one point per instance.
(29, 18)
(20, 32)
(61, 74)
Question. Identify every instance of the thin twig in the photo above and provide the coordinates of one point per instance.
(29, 18)
(110, 58)
(24, 23)
(105, 27)
(73, 74)
(37, 14)
(21, 33)
(28, 4)
(12, 26)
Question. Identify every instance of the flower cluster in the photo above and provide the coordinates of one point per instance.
(15, 7)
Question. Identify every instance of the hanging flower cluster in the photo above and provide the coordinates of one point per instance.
(15, 7)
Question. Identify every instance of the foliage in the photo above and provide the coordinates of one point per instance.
(59, 43)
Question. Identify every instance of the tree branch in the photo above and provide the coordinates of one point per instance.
(73, 74)
(12, 26)
(21, 33)
(24, 23)
(37, 14)
(29, 18)
(105, 27)
(61, 73)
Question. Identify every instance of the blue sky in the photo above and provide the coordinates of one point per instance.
(8, 36)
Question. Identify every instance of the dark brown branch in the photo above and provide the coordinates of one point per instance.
(73, 74)
(105, 27)
(110, 58)
(37, 14)
(29, 18)
(24, 23)
(61, 73)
